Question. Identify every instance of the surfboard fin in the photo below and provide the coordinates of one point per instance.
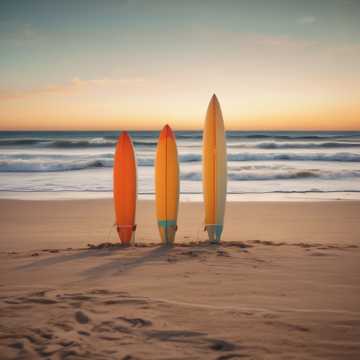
(214, 232)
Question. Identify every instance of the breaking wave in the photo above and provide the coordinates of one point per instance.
(58, 162)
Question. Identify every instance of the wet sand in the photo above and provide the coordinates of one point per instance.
(75, 223)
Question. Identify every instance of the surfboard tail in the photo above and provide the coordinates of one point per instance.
(126, 233)
(214, 232)
(167, 230)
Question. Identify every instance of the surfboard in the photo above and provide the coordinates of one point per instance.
(124, 188)
(167, 185)
(214, 170)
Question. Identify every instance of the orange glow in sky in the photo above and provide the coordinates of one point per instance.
(138, 66)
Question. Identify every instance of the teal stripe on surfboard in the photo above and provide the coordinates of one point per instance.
(166, 223)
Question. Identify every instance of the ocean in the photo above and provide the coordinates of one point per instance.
(261, 165)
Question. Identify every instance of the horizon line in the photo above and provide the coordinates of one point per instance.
(138, 130)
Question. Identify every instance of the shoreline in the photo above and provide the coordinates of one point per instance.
(58, 224)
(310, 196)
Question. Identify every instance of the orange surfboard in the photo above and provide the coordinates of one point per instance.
(124, 188)
(167, 185)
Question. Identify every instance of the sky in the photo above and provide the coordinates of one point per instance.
(132, 64)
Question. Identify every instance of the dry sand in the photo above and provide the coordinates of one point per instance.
(285, 285)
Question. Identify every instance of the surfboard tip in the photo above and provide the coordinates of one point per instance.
(167, 132)
(124, 136)
(213, 103)
(124, 133)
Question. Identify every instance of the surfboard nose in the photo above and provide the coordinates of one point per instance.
(166, 132)
(214, 101)
(124, 136)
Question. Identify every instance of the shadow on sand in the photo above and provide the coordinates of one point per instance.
(110, 267)
(117, 266)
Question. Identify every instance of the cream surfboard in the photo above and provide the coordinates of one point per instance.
(167, 185)
(214, 170)
(124, 188)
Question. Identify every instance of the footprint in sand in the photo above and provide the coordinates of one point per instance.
(49, 350)
(81, 317)
(101, 292)
(65, 326)
(174, 335)
(84, 333)
(129, 357)
(125, 302)
(318, 253)
(44, 333)
(221, 345)
(289, 326)
(232, 356)
(136, 322)
(76, 297)
(17, 345)
(43, 301)
(222, 253)
(30, 300)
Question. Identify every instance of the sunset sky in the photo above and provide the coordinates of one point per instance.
(138, 64)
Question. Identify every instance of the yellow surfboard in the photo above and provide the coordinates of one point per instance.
(167, 185)
(214, 170)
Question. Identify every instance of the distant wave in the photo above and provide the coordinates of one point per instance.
(74, 143)
(189, 157)
(59, 143)
(144, 143)
(60, 162)
(296, 145)
(17, 142)
(188, 135)
(291, 136)
(288, 175)
(103, 143)
(51, 166)
(309, 191)
(191, 176)
(149, 139)
(325, 145)
(283, 175)
(24, 164)
(346, 157)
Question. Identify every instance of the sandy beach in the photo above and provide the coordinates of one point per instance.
(231, 127)
(284, 283)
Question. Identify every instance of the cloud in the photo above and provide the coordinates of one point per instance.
(306, 20)
(19, 35)
(73, 86)
(281, 41)
(249, 40)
